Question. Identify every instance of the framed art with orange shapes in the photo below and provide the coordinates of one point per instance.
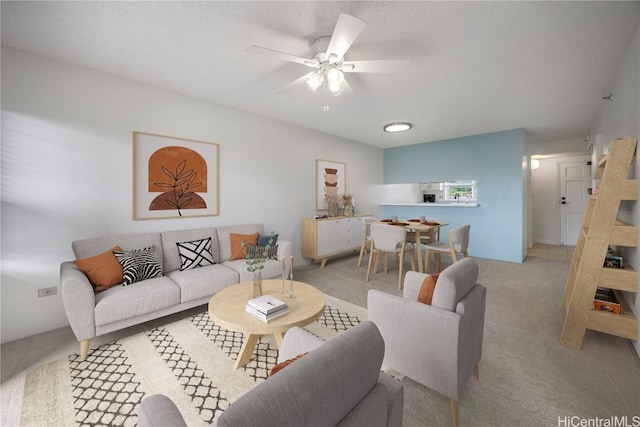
(174, 177)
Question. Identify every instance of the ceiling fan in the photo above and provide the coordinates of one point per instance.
(329, 62)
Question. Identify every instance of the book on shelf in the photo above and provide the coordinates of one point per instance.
(613, 261)
(266, 304)
(266, 317)
(606, 300)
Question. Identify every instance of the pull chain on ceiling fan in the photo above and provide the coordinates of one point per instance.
(328, 59)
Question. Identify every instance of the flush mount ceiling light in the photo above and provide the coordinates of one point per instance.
(397, 127)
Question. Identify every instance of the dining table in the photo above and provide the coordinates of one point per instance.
(419, 228)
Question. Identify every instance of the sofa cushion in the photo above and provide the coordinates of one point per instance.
(238, 242)
(194, 254)
(224, 239)
(454, 283)
(139, 265)
(170, 239)
(202, 282)
(96, 245)
(124, 302)
(103, 270)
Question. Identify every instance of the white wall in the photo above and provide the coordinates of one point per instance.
(545, 216)
(563, 147)
(67, 172)
(621, 119)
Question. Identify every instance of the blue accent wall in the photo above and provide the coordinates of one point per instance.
(495, 161)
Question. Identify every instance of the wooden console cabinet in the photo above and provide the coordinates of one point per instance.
(324, 237)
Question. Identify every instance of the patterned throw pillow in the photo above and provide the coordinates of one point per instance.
(255, 251)
(194, 254)
(139, 265)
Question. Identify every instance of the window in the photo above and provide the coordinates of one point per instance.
(462, 191)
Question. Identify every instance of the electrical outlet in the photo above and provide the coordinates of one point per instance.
(45, 292)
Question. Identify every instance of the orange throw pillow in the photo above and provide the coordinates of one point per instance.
(237, 251)
(428, 287)
(280, 366)
(103, 270)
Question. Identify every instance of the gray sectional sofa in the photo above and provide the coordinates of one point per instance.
(93, 313)
(336, 383)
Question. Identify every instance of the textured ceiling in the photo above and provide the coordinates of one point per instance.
(476, 67)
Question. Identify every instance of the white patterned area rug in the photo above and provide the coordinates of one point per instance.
(190, 360)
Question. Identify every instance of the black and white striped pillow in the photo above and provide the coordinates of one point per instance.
(139, 264)
(255, 251)
(194, 254)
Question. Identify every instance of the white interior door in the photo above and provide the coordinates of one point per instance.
(575, 178)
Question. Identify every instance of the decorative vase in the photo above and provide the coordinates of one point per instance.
(257, 283)
(348, 210)
(333, 208)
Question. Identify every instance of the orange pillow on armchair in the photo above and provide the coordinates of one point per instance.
(427, 289)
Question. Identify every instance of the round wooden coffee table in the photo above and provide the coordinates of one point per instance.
(227, 309)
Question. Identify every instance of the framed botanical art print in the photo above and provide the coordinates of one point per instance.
(174, 177)
(330, 182)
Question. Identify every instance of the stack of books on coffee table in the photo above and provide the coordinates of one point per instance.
(266, 308)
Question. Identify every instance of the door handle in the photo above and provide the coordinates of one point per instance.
(563, 200)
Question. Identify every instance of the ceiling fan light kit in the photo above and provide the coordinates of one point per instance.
(397, 127)
(328, 59)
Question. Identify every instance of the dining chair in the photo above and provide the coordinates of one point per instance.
(437, 231)
(457, 244)
(386, 239)
(366, 236)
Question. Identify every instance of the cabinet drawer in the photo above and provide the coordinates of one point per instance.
(336, 244)
(332, 226)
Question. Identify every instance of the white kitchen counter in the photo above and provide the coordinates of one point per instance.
(436, 205)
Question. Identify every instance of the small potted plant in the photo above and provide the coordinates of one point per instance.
(256, 256)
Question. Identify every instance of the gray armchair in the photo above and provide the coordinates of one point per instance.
(437, 345)
(337, 383)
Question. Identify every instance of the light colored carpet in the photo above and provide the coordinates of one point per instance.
(527, 378)
(189, 360)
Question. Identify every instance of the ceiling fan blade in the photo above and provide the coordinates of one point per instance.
(288, 87)
(376, 66)
(346, 88)
(284, 56)
(347, 29)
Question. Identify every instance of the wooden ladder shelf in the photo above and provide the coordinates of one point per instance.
(601, 228)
